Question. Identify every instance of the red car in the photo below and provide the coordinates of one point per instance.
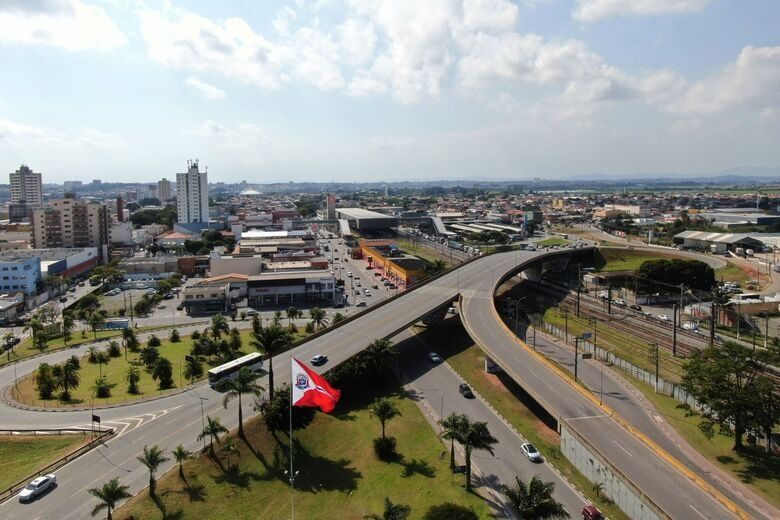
(591, 513)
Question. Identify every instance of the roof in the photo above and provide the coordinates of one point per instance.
(358, 213)
(291, 275)
(222, 278)
(721, 238)
(174, 235)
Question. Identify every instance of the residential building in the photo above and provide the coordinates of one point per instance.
(26, 186)
(19, 211)
(192, 194)
(164, 189)
(71, 223)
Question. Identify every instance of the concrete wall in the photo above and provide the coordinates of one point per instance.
(617, 487)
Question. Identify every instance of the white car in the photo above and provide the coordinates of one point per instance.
(690, 326)
(434, 357)
(251, 312)
(349, 274)
(37, 487)
(530, 451)
(664, 317)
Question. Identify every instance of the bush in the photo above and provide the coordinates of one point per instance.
(384, 448)
(114, 350)
(154, 341)
(102, 388)
(175, 337)
(310, 327)
(195, 335)
(74, 361)
(450, 511)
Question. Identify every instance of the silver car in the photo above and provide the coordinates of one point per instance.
(37, 487)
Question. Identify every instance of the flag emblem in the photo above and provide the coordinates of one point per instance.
(311, 389)
(301, 381)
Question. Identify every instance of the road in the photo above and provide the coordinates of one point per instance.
(475, 283)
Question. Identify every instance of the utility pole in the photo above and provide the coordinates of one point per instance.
(712, 324)
(579, 287)
(766, 329)
(655, 355)
(566, 326)
(674, 330)
(576, 355)
(609, 300)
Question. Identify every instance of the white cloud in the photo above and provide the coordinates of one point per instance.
(68, 24)
(208, 90)
(752, 81)
(595, 10)
(19, 134)
(244, 135)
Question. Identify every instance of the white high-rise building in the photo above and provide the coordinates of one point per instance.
(192, 194)
(26, 186)
(163, 189)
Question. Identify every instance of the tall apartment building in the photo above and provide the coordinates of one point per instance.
(192, 194)
(26, 186)
(163, 189)
(71, 223)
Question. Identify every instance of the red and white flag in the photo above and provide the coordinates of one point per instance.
(311, 389)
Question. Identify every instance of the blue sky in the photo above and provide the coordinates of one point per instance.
(363, 89)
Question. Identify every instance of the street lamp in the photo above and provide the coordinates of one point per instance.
(604, 361)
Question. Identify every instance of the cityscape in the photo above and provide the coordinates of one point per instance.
(292, 322)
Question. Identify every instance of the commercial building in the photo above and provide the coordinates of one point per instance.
(718, 241)
(71, 223)
(383, 255)
(192, 194)
(164, 189)
(363, 219)
(66, 262)
(291, 288)
(206, 299)
(153, 267)
(26, 186)
(19, 273)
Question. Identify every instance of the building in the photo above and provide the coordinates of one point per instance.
(19, 273)
(192, 194)
(26, 186)
(719, 242)
(331, 207)
(363, 219)
(62, 261)
(135, 268)
(71, 223)
(164, 189)
(383, 255)
(291, 288)
(19, 211)
(206, 299)
(72, 185)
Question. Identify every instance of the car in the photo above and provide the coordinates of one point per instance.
(591, 513)
(530, 451)
(318, 360)
(392, 286)
(357, 292)
(72, 289)
(367, 294)
(377, 274)
(37, 487)
(690, 326)
(635, 307)
(374, 286)
(82, 284)
(169, 296)
(434, 357)
(360, 304)
(252, 312)
(63, 300)
(180, 307)
(621, 303)
(349, 274)
(465, 391)
(664, 317)
(357, 283)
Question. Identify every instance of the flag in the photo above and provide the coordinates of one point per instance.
(311, 389)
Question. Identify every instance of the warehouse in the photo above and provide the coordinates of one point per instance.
(718, 241)
(363, 219)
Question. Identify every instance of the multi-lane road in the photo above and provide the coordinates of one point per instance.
(178, 419)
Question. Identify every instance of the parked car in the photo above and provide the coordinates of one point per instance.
(635, 307)
(664, 317)
(63, 300)
(318, 360)
(621, 303)
(360, 304)
(530, 451)
(37, 487)
(591, 513)
(252, 312)
(465, 391)
(434, 357)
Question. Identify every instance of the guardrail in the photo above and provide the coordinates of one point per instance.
(103, 434)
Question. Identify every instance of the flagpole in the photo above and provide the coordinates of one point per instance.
(292, 475)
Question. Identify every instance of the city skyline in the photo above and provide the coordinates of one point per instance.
(342, 91)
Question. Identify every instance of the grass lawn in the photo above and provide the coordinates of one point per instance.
(757, 469)
(734, 273)
(23, 455)
(115, 372)
(622, 259)
(422, 252)
(552, 241)
(337, 479)
(511, 401)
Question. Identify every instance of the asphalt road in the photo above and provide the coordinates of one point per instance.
(177, 419)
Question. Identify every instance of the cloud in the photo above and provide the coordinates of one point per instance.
(205, 89)
(18, 134)
(596, 10)
(244, 135)
(68, 24)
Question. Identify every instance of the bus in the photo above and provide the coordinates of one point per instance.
(229, 370)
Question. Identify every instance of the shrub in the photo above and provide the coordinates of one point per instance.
(114, 350)
(102, 388)
(75, 362)
(154, 341)
(450, 511)
(384, 448)
(92, 354)
(310, 327)
(195, 335)
(175, 337)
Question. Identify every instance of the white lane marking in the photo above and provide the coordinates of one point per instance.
(586, 417)
(533, 374)
(697, 512)
(622, 448)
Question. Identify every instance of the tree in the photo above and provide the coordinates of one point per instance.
(102, 388)
(318, 317)
(68, 378)
(392, 512)
(726, 382)
(534, 500)
(276, 411)
(666, 275)
(132, 377)
(109, 495)
(129, 341)
(212, 430)
(450, 511)
(270, 341)
(256, 325)
(152, 458)
(229, 449)
(277, 319)
(338, 317)
(435, 267)
(193, 368)
(45, 381)
(292, 313)
(384, 409)
(35, 326)
(175, 337)
(766, 414)
(476, 437)
(163, 372)
(68, 324)
(243, 384)
(453, 428)
(154, 341)
(219, 326)
(149, 356)
(95, 321)
(181, 455)
(113, 349)
(235, 340)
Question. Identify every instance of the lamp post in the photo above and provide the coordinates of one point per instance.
(601, 390)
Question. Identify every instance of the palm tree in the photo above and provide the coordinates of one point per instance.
(271, 340)
(152, 458)
(181, 455)
(219, 326)
(392, 512)
(95, 320)
(212, 430)
(193, 368)
(292, 313)
(379, 356)
(132, 377)
(277, 317)
(163, 371)
(384, 409)
(453, 428)
(317, 316)
(244, 383)
(68, 324)
(534, 500)
(45, 380)
(476, 436)
(229, 448)
(35, 326)
(109, 494)
(435, 267)
(68, 378)
(257, 325)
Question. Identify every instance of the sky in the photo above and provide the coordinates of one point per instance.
(371, 90)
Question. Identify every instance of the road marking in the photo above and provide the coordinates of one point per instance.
(585, 417)
(697, 512)
(622, 448)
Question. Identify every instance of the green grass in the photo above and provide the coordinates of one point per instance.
(755, 468)
(23, 455)
(622, 259)
(511, 401)
(337, 479)
(423, 253)
(552, 241)
(734, 273)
